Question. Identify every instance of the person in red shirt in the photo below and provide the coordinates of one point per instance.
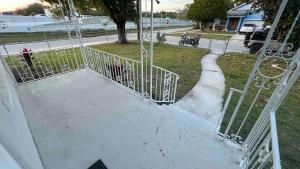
(27, 55)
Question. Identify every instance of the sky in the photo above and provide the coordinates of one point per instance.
(171, 5)
(166, 5)
(10, 5)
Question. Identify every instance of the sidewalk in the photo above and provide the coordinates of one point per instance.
(206, 98)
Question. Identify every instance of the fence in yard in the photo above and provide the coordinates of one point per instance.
(128, 72)
(27, 66)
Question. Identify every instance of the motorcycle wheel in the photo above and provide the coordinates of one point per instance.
(195, 45)
(180, 43)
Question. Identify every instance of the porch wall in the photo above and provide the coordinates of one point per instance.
(14, 131)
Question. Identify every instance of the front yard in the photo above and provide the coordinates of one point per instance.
(236, 68)
(184, 61)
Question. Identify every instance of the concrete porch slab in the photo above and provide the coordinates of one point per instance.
(80, 117)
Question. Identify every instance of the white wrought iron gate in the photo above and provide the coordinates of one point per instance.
(253, 126)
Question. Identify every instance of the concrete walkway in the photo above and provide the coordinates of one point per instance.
(206, 98)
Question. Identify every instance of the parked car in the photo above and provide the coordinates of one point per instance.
(258, 36)
(247, 28)
(219, 27)
(254, 41)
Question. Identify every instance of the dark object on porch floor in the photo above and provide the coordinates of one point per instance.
(98, 165)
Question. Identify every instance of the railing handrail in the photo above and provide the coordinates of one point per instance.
(166, 70)
(166, 82)
(275, 145)
(224, 109)
(273, 129)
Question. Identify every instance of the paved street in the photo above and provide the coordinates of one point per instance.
(39, 46)
(235, 44)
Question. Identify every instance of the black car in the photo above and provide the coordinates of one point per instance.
(254, 41)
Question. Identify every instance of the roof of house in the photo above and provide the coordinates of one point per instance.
(240, 10)
(256, 15)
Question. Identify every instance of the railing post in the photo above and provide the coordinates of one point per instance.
(224, 110)
(175, 89)
(151, 51)
(6, 66)
(141, 46)
(275, 145)
(226, 45)
(210, 44)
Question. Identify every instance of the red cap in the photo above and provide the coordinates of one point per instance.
(25, 50)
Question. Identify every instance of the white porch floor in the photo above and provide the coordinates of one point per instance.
(80, 117)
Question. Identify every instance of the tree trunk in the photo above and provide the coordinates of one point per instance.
(203, 25)
(121, 33)
(198, 24)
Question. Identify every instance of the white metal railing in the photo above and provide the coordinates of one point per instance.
(34, 65)
(257, 150)
(232, 91)
(164, 85)
(128, 72)
(258, 142)
(261, 148)
(122, 70)
(251, 122)
(275, 144)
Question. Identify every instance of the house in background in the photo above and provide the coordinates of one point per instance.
(243, 14)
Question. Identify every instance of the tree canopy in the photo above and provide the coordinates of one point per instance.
(208, 10)
(270, 8)
(119, 11)
(31, 9)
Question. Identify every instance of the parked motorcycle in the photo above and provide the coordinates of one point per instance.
(185, 39)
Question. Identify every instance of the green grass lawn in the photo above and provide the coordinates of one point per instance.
(184, 61)
(41, 36)
(236, 68)
(219, 35)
